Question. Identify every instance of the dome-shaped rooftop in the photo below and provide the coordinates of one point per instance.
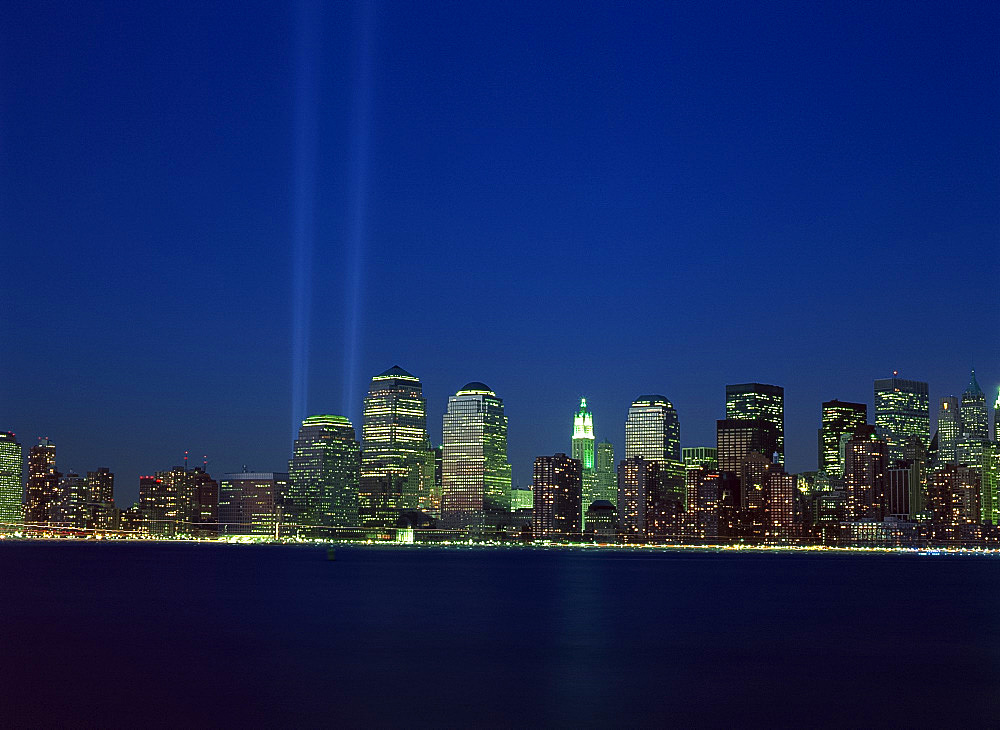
(476, 387)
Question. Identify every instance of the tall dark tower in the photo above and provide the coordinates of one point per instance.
(42, 494)
(558, 494)
(839, 419)
(759, 401)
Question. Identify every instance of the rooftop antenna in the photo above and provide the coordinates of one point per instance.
(204, 463)
(185, 461)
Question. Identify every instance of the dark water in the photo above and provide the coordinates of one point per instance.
(199, 635)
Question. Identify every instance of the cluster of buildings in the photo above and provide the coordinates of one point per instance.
(885, 483)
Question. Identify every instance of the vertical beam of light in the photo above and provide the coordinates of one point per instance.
(307, 52)
(360, 143)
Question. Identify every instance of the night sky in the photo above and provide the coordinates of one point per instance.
(214, 216)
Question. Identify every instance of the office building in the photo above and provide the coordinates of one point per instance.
(752, 401)
(695, 457)
(101, 512)
(558, 494)
(975, 416)
(902, 409)
(865, 463)
(898, 501)
(653, 432)
(702, 483)
(949, 430)
(179, 502)
(599, 521)
(476, 476)
(11, 471)
(606, 472)
(838, 422)
(397, 465)
(42, 493)
(989, 471)
(250, 503)
(324, 475)
(638, 491)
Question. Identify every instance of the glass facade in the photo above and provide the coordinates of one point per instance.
(975, 416)
(475, 473)
(838, 419)
(323, 474)
(397, 469)
(949, 431)
(902, 409)
(11, 470)
(250, 503)
(750, 401)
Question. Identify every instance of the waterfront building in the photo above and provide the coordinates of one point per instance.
(953, 500)
(70, 508)
(323, 475)
(838, 421)
(949, 430)
(653, 432)
(179, 501)
(902, 409)
(583, 451)
(695, 457)
(11, 471)
(865, 464)
(397, 467)
(702, 483)
(101, 512)
(975, 416)
(558, 493)
(42, 493)
(606, 472)
(521, 498)
(250, 503)
(990, 484)
(476, 476)
(751, 401)
(639, 487)
(599, 522)
(779, 504)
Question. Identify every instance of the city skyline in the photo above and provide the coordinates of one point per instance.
(647, 199)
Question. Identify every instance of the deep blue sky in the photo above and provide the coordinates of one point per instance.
(558, 200)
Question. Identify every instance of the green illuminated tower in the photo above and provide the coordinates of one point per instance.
(583, 451)
(990, 484)
(750, 401)
(902, 409)
(475, 473)
(397, 471)
(607, 472)
(11, 468)
(323, 474)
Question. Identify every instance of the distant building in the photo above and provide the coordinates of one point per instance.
(179, 501)
(737, 440)
(638, 489)
(476, 476)
(897, 492)
(70, 508)
(949, 430)
(990, 484)
(864, 476)
(975, 416)
(838, 419)
(101, 512)
(607, 472)
(703, 501)
(521, 498)
(695, 457)
(751, 401)
(250, 502)
(42, 494)
(11, 488)
(953, 500)
(653, 432)
(397, 463)
(583, 451)
(599, 522)
(323, 476)
(902, 409)
(558, 492)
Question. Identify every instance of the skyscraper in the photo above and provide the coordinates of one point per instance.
(653, 431)
(975, 416)
(607, 472)
(11, 469)
(902, 408)
(476, 476)
(558, 492)
(323, 475)
(864, 475)
(637, 488)
(397, 467)
(583, 451)
(249, 503)
(748, 401)
(179, 501)
(43, 483)
(949, 429)
(101, 499)
(838, 418)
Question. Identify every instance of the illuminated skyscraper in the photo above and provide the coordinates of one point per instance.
(323, 475)
(11, 470)
(748, 401)
(70, 507)
(949, 430)
(653, 431)
(902, 408)
(476, 476)
(864, 475)
(397, 467)
(179, 501)
(990, 483)
(101, 499)
(583, 451)
(249, 503)
(740, 441)
(42, 493)
(607, 472)
(975, 416)
(839, 418)
(638, 486)
(558, 493)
